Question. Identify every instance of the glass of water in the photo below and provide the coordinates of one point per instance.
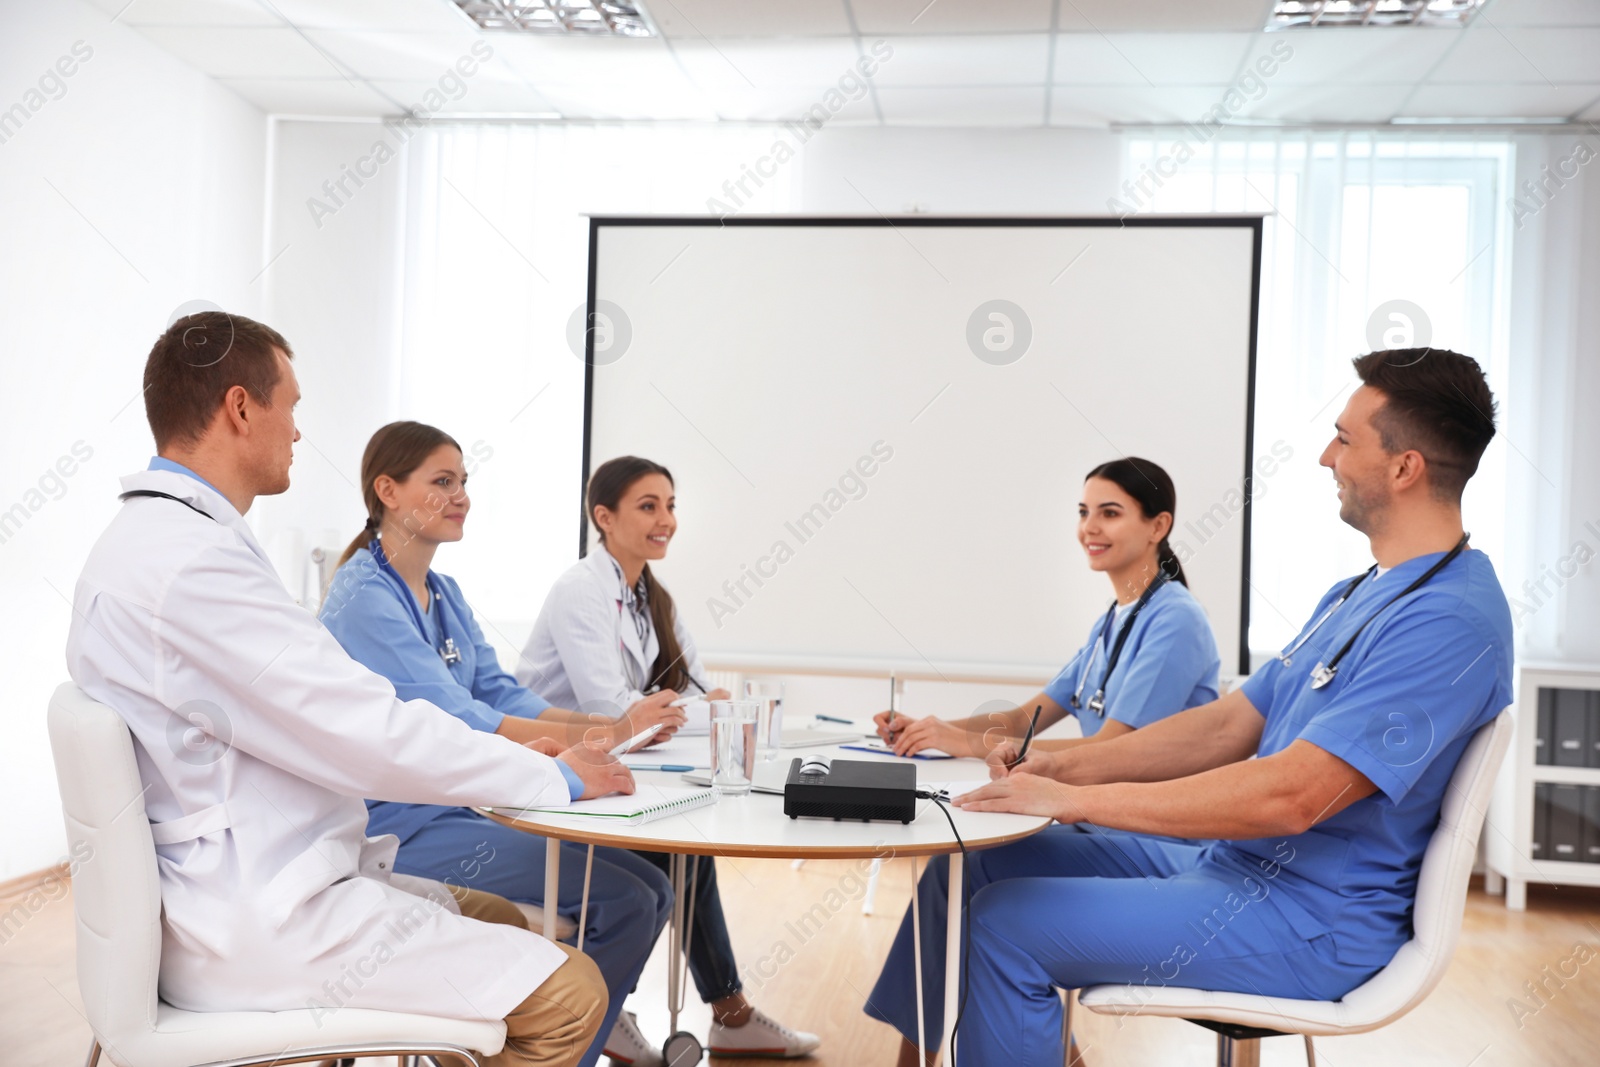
(768, 697)
(733, 746)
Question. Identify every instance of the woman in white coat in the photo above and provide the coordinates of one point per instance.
(256, 735)
(608, 633)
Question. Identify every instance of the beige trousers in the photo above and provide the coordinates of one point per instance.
(556, 1024)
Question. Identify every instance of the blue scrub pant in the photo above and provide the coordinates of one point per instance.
(630, 900)
(711, 962)
(1064, 910)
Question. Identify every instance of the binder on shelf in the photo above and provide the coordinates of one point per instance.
(1594, 729)
(1543, 743)
(1571, 722)
(1591, 824)
(1566, 822)
(1539, 847)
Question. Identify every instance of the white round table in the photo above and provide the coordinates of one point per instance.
(755, 827)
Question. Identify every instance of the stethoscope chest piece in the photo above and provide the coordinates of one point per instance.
(450, 653)
(1321, 675)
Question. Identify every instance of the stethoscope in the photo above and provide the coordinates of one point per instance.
(1097, 702)
(1322, 673)
(641, 630)
(447, 650)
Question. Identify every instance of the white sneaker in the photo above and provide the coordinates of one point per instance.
(761, 1036)
(626, 1045)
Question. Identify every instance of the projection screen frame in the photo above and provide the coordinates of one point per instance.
(1255, 223)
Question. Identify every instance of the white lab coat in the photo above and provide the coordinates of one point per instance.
(584, 652)
(272, 895)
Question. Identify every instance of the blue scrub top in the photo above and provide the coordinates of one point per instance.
(1168, 664)
(369, 610)
(1418, 683)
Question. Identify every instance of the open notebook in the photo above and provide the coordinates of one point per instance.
(650, 803)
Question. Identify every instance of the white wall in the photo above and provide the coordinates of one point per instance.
(134, 186)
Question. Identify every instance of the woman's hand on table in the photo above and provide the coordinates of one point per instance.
(654, 710)
(908, 736)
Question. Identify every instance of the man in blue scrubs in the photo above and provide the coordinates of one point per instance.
(1307, 889)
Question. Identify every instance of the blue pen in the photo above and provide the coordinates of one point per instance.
(681, 768)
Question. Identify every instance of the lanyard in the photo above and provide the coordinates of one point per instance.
(1097, 703)
(447, 648)
(1322, 675)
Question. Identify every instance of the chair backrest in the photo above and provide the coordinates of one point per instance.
(116, 889)
(1441, 886)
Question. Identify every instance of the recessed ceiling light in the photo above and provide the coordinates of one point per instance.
(1300, 14)
(573, 18)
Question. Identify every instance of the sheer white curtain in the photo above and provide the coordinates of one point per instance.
(496, 264)
(1370, 241)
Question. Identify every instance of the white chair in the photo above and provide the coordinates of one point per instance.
(117, 904)
(1242, 1019)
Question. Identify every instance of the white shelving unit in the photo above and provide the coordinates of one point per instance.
(1510, 865)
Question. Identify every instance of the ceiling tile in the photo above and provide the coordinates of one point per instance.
(953, 16)
(1350, 55)
(477, 98)
(1098, 105)
(1545, 13)
(1005, 105)
(1549, 56)
(761, 64)
(438, 15)
(994, 59)
(616, 100)
(1165, 16)
(1324, 103)
(189, 12)
(1149, 58)
(590, 60)
(683, 20)
(742, 103)
(401, 55)
(254, 52)
(1499, 101)
(310, 96)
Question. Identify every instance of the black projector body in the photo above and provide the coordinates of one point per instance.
(851, 789)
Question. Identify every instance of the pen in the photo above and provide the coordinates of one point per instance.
(681, 768)
(830, 718)
(1028, 739)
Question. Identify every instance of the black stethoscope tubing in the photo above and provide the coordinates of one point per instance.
(1322, 673)
(1097, 702)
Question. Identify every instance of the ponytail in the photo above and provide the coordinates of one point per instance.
(1167, 560)
(364, 539)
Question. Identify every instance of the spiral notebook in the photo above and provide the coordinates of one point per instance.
(650, 803)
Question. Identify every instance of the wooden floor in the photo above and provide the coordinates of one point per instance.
(1470, 1021)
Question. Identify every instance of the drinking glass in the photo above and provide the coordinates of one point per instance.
(733, 746)
(768, 697)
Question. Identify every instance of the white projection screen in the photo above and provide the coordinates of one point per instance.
(879, 429)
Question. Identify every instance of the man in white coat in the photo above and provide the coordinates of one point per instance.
(257, 738)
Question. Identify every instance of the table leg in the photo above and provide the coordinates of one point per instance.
(952, 958)
(916, 961)
(675, 940)
(552, 887)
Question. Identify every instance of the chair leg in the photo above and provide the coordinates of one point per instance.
(94, 1053)
(1311, 1053)
(1238, 1052)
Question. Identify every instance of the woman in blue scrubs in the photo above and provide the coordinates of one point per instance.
(1150, 655)
(608, 633)
(402, 620)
